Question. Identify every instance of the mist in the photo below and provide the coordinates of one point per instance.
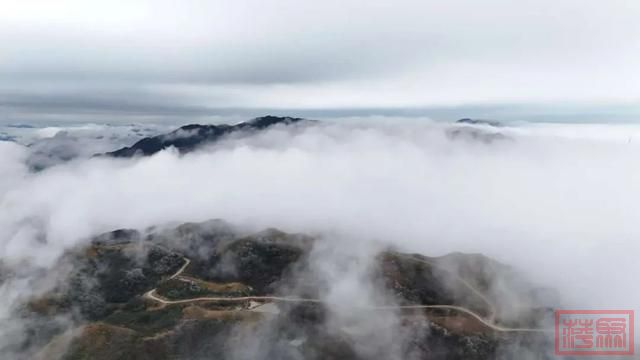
(556, 202)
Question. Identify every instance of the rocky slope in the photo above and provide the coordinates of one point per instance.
(203, 290)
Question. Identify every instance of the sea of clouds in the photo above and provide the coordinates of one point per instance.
(558, 202)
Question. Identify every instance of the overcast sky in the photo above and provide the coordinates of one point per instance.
(135, 59)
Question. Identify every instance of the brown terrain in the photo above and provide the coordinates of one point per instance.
(201, 289)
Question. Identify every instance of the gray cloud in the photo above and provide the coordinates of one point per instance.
(133, 104)
(202, 57)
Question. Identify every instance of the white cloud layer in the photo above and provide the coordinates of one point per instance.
(558, 202)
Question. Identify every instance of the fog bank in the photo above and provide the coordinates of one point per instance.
(558, 202)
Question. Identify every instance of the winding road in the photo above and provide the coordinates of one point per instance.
(492, 308)
(151, 294)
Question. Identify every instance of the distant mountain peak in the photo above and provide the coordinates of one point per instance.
(269, 120)
(479, 122)
(188, 137)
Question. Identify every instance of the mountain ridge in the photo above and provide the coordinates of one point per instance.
(189, 137)
(209, 285)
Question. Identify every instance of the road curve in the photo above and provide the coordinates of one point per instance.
(484, 321)
(182, 268)
(472, 288)
(151, 294)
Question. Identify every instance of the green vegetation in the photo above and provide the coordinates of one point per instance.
(176, 289)
(147, 322)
